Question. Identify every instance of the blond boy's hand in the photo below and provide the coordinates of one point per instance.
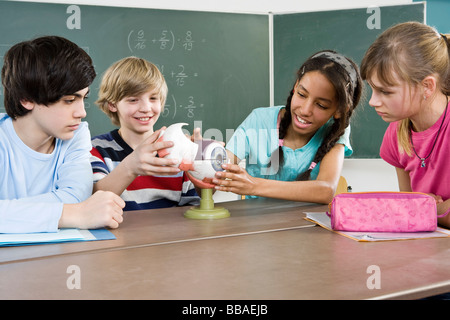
(144, 160)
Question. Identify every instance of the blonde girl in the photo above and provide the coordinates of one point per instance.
(408, 68)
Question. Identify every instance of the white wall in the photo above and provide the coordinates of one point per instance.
(252, 6)
(361, 174)
(370, 175)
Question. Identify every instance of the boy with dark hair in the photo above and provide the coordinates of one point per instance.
(46, 176)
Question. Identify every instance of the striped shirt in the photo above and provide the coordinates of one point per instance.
(144, 192)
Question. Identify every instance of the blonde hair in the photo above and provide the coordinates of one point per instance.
(411, 51)
(127, 77)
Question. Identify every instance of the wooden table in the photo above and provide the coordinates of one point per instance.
(159, 226)
(265, 250)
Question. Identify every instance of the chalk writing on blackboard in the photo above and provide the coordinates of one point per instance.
(188, 42)
(188, 107)
(137, 41)
(164, 40)
(179, 73)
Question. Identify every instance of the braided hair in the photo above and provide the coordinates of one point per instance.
(348, 93)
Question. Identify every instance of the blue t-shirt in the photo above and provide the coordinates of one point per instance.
(34, 185)
(256, 141)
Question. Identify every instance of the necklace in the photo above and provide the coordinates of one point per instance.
(422, 163)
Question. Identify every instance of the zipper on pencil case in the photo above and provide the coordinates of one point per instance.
(349, 194)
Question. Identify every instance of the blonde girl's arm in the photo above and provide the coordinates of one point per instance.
(442, 208)
(404, 182)
(320, 190)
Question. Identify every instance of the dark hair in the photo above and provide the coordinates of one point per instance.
(347, 99)
(43, 70)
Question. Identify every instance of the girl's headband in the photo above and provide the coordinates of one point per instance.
(342, 61)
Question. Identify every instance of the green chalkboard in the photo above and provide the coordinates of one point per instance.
(350, 32)
(216, 64)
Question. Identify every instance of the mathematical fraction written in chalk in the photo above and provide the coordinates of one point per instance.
(179, 74)
(170, 109)
(165, 40)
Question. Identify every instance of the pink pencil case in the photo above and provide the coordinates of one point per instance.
(383, 212)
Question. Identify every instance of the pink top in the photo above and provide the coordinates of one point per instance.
(435, 176)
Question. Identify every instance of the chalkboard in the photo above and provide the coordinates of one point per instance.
(350, 32)
(216, 64)
(437, 15)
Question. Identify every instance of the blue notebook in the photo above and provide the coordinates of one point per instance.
(62, 235)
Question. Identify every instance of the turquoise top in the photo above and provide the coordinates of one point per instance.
(256, 139)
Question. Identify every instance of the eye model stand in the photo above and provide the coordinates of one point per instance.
(207, 210)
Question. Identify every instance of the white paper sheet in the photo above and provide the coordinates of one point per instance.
(62, 235)
(322, 219)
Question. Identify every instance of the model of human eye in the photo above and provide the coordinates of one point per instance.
(209, 159)
(201, 159)
(183, 148)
